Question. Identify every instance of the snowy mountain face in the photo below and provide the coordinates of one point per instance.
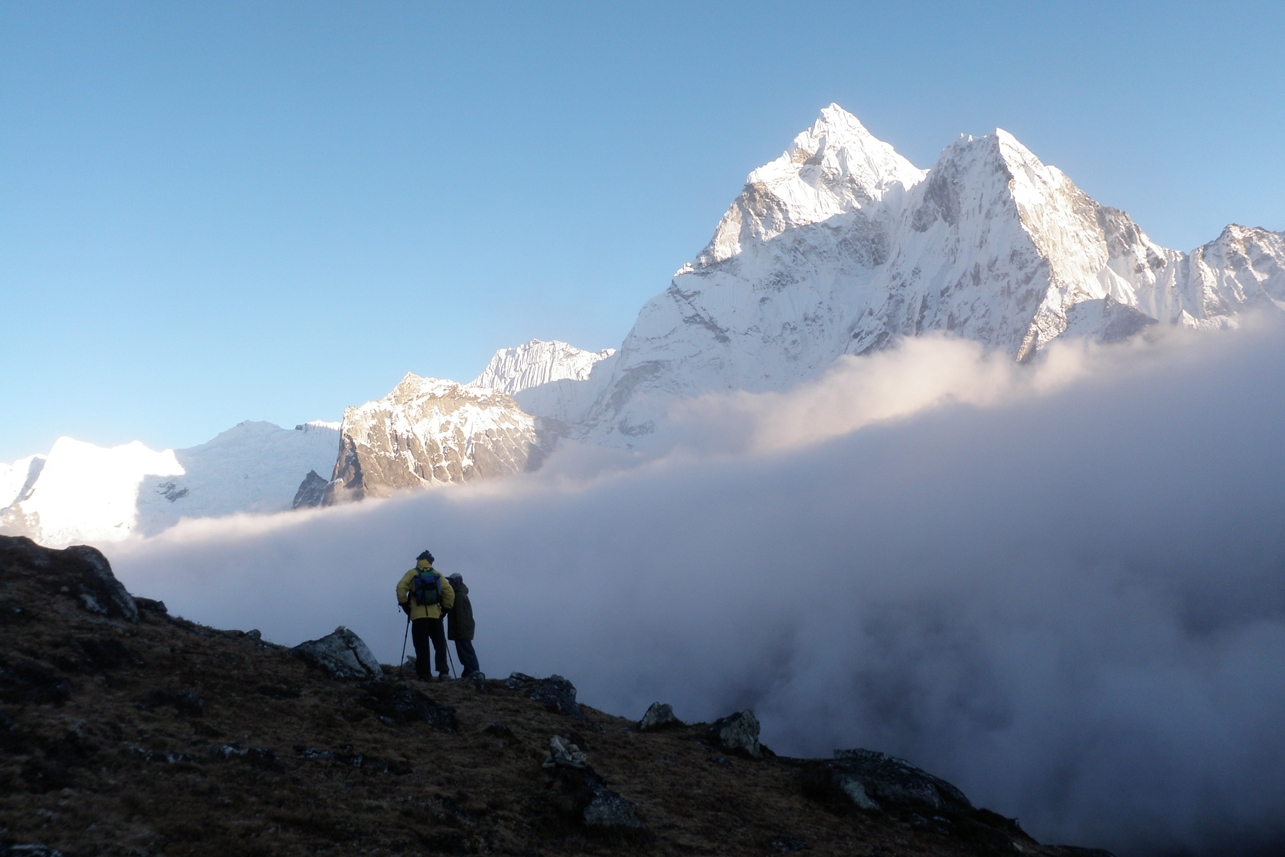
(430, 432)
(252, 467)
(840, 246)
(85, 493)
(551, 380)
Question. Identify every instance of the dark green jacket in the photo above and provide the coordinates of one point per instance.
(459, 621)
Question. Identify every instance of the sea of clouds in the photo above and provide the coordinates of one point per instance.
(1060, 586)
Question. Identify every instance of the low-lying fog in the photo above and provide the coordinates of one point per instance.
(1061, 588)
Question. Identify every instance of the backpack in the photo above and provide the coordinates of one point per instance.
(426, 587)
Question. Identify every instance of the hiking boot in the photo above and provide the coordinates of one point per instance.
(443, 676)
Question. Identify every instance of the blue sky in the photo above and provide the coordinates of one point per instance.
(219, 212)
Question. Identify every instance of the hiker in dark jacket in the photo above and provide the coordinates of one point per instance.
(426, 614)
(459, 626)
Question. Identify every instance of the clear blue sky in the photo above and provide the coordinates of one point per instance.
(212, 212)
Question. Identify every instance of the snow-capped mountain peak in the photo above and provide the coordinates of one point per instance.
(834, 167)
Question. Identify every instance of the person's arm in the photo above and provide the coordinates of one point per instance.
(448, 595)
(403, 589)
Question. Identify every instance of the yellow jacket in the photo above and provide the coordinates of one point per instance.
(424, 611)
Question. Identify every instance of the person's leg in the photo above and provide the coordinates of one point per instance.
(438, 634)
(419, 631)
(468, 657)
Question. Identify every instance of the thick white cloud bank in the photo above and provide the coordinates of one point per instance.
(1061, 587)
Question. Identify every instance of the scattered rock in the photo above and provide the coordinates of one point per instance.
(361, 761)
(404, 704)
(659, 715)
(158, 756)
(787, 843)
(341, 655)
(29, 851)
(564, 754)
(555, 692)
(875, 781)
(259, 757)
(738, 733)
(584, 796)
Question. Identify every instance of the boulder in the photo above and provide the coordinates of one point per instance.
(555, 692)
(659, 715)
(738, 733)
(583, 795)
(565, 754)
(401, 703)
(875, 781)
(341, 655)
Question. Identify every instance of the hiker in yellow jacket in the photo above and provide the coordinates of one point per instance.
(425, 595)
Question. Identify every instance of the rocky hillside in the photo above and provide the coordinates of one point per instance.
(128, 731)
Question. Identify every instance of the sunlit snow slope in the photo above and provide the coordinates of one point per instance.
(85, 493)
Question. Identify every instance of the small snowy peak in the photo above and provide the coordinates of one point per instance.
(537, 362)
(833, 168)
(429, 432)
(87, 493)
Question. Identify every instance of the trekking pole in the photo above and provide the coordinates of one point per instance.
(402, 663)
(450, 660)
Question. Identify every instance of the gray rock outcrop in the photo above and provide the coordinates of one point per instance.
(875, 781)
(312, 491)
(341, 655)
(738, 733)
(659, 715)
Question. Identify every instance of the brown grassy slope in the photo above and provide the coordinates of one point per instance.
(114, 737)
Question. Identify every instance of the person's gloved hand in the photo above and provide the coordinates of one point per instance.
(405, 605)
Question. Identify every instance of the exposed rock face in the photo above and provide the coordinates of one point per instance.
(312, 491)
(341, 655)
(429, 432)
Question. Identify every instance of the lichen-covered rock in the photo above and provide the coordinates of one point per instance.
(659, 715)
(341, 655)
(738, 733)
